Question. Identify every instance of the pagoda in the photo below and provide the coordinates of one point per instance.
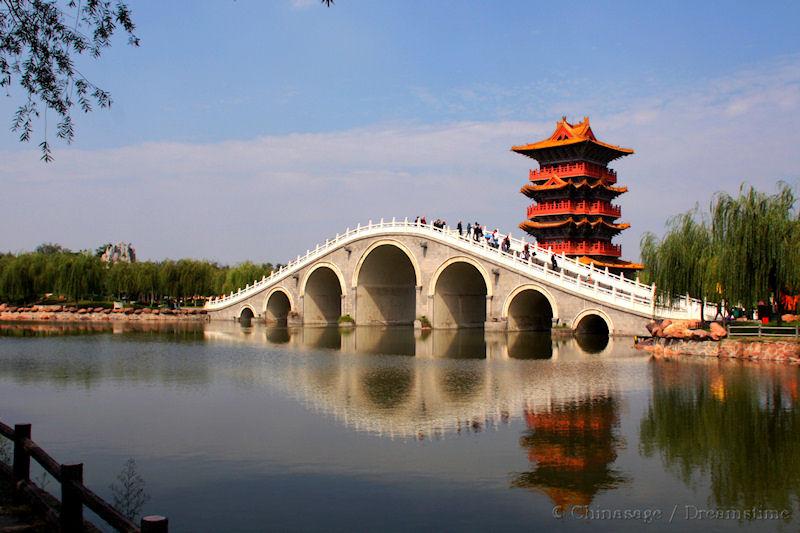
(572, 191)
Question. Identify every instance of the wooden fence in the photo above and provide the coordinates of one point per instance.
(760, 330)
(68, 513)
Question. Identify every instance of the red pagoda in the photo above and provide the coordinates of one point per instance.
(572, 192)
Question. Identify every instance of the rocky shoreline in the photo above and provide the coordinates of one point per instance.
(681, 338)
(59, 313)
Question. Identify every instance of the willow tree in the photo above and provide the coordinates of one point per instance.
(684, 261)
(758, 241)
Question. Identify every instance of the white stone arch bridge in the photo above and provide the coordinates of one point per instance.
(395, 272)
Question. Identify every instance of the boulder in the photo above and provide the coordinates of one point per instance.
(790, 318)
(137, 312)
(146, 311)
(82, 311)
(676, 330)
(156, 311)
(128, 311)
(107, 311)
(99, 309)
(717, 331)
(699, 334)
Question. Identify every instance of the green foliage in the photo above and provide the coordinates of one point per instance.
(39, 43)
(680, 263)
(757, 240)
(424, 321)
(734, 427)
(746, 249)
(28, 277)
(346, 319)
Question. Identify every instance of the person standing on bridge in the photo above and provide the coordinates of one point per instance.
(469, 231)
(553, 262)
(460, 229)
(507, 243)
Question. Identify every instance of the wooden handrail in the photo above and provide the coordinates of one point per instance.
(105, 511)
(74, 494)
(43, 458)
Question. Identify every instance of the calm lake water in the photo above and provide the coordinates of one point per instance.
(256, 429)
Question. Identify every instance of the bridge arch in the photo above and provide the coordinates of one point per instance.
(459, 288)
(322, 290)
(385, 281)
(278, 303)
(389, 242)
(530, 307)
(593, 321)
(246, 313)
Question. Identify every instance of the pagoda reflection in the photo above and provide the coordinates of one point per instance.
(572, 447)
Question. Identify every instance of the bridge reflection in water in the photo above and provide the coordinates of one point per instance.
(428, 384)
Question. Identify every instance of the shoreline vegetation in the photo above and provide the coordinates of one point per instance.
(53, 274)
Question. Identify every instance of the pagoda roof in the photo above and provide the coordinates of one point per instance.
(566, 135)
(610, 263)
(584, 221)
(556, 183)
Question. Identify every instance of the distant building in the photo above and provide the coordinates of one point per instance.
(122, 251)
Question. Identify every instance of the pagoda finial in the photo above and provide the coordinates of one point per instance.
(563, 118)
(586, 119)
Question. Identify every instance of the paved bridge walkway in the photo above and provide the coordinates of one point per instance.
(397, 272)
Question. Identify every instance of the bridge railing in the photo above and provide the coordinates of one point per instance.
(585, 279)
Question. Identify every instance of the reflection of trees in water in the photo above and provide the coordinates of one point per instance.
(573, 447)
(143, 352)
(737, 423)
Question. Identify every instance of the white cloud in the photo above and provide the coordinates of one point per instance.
(272, 197)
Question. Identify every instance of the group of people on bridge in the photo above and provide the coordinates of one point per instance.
(479, 233)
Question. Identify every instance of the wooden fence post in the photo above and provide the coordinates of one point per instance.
(22, 460)
(71, 503)
(154, 524)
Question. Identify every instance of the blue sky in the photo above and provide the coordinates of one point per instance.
(252, 130)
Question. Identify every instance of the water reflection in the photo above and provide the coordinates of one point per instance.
(390, 381)
(572, 447)
(592, 342)
(738, 423)
(530, 345)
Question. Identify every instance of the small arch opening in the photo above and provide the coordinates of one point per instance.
(592, 324)
(278, 307)
(592, 333)
(530, 310)
(246, 317)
